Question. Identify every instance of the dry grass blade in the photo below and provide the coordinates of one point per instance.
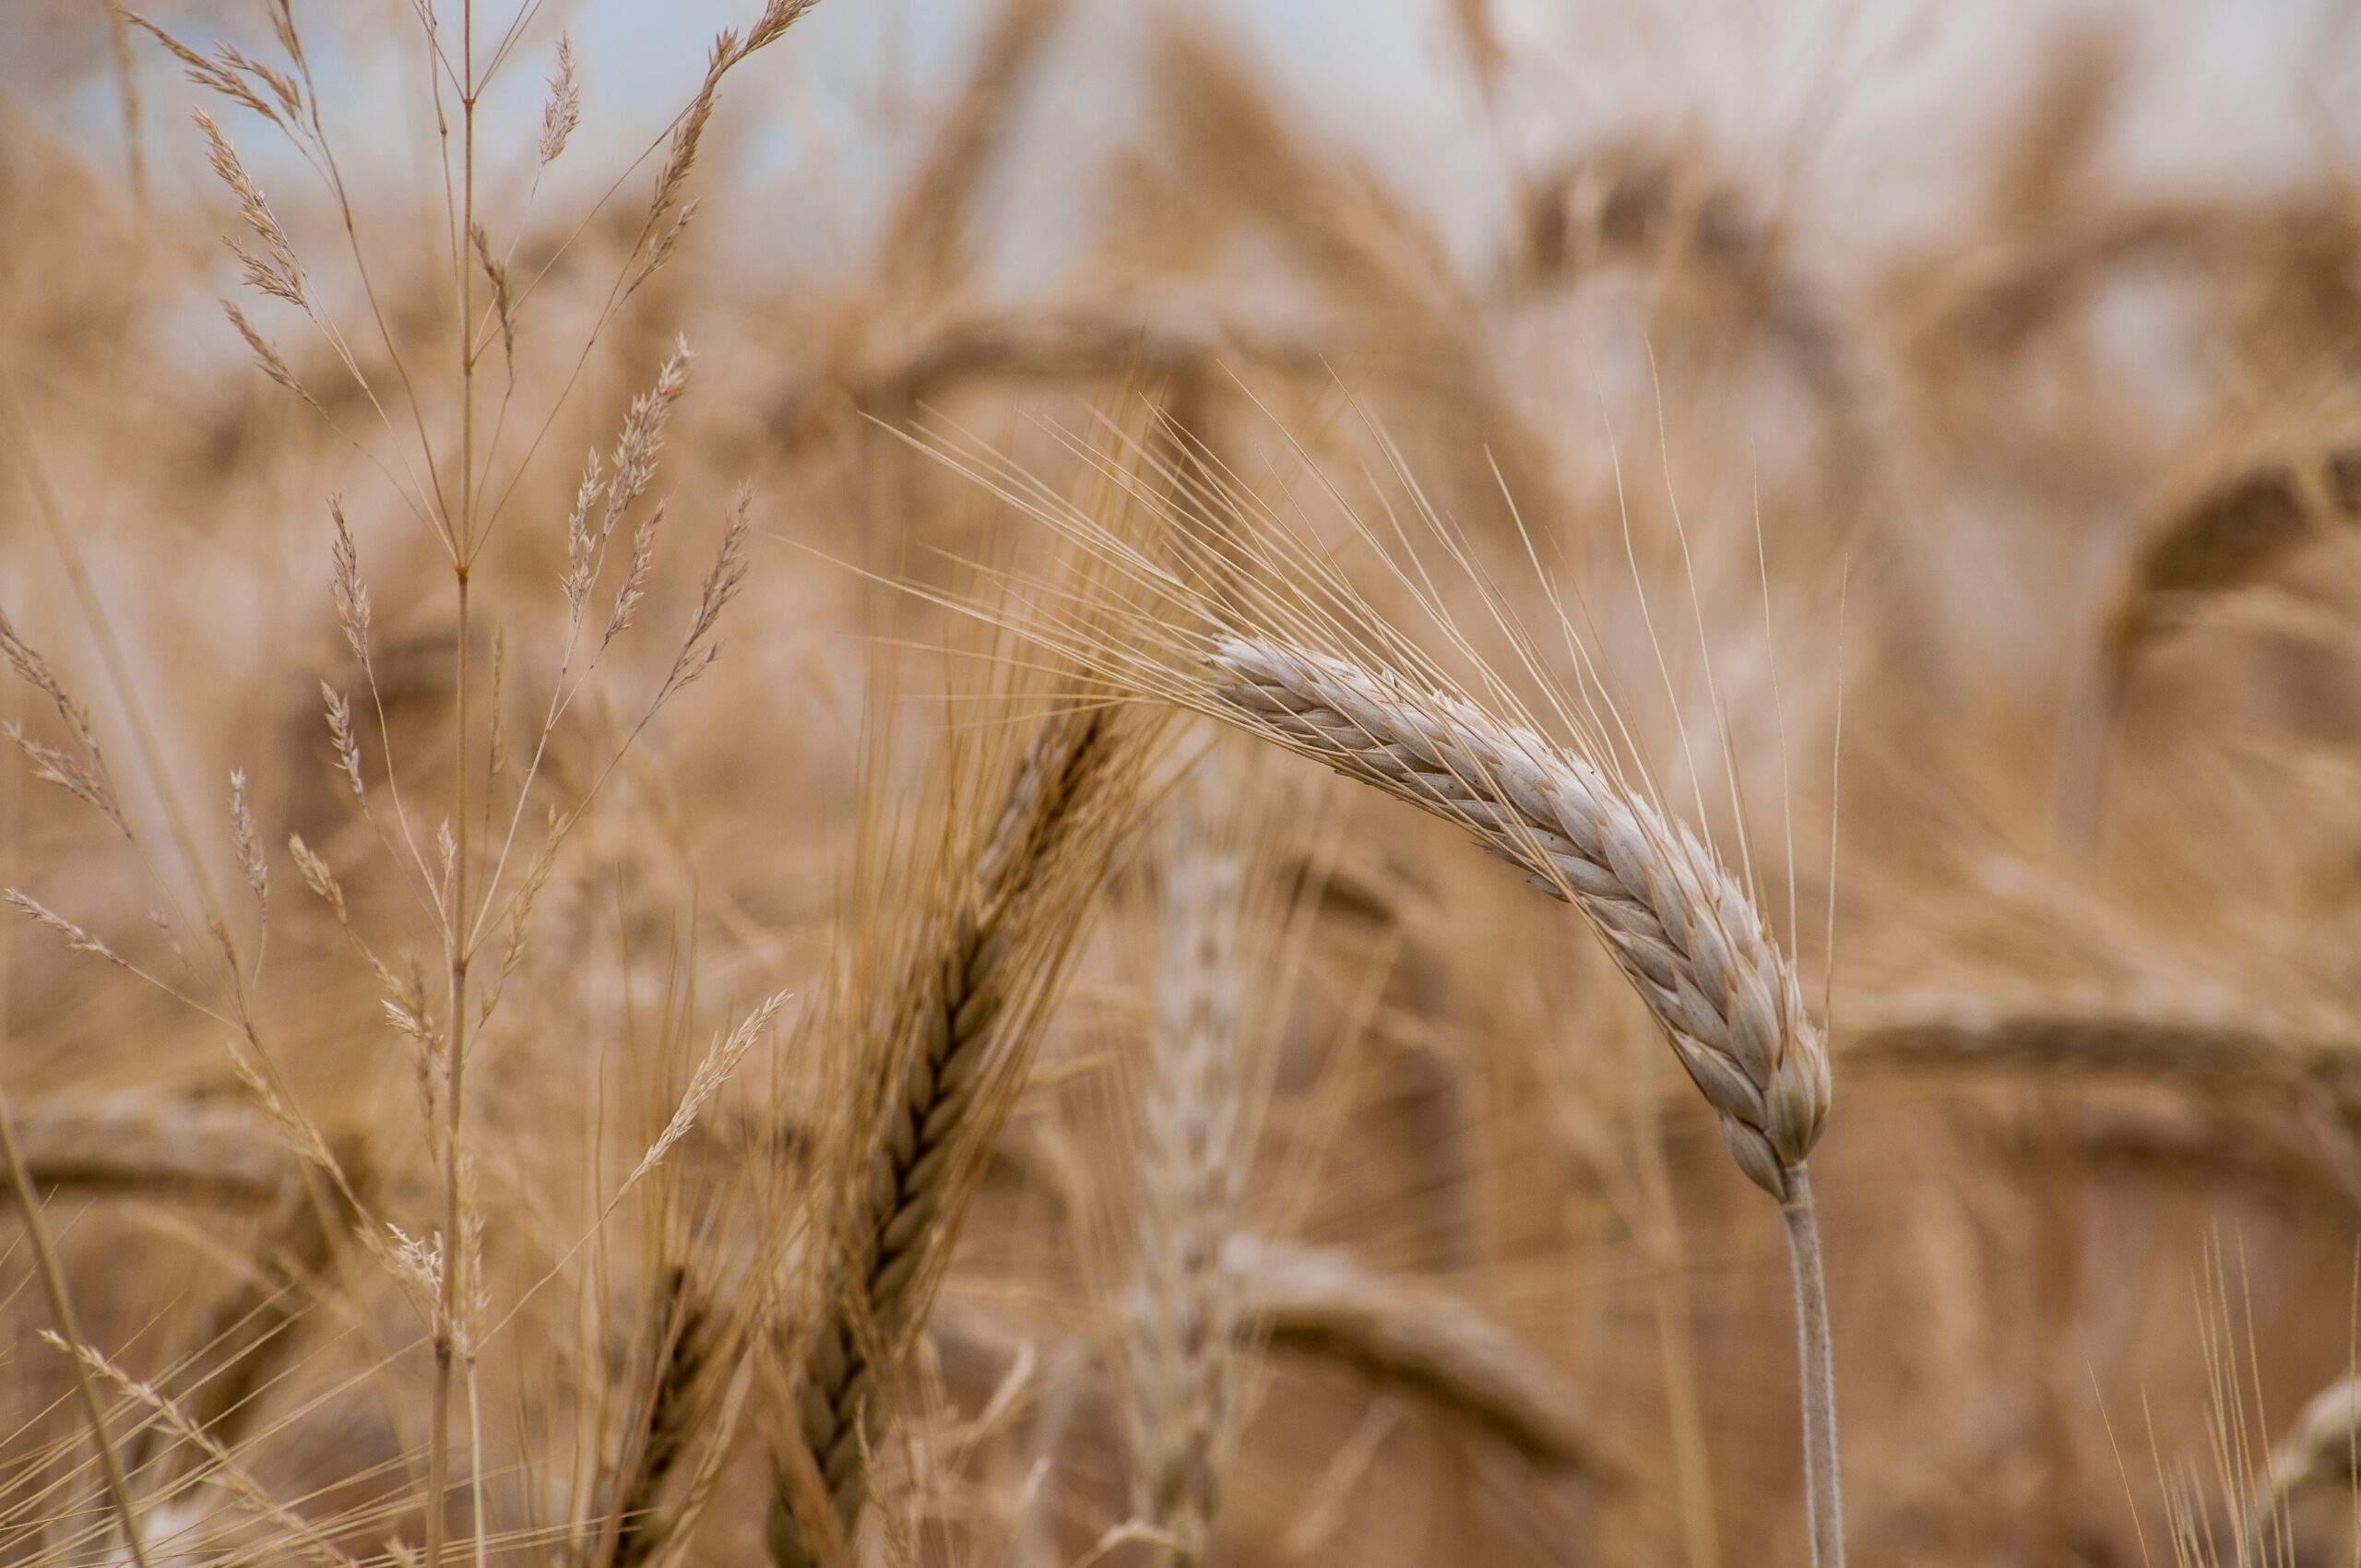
(1411, 1336)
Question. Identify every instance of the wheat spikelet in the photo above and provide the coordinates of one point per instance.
(946, 1033)
(1401, 1334)
(1686, 933)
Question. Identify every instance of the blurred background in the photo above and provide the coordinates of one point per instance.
(1973, 384)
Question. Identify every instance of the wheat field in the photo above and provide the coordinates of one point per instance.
(1046, 783)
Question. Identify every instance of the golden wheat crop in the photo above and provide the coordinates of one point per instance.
(1048, 783)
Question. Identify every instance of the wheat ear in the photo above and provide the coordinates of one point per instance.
(1686, 933)
(1414, 1338)
(138, 1141)
(1181, 1382)
(2102, 1032)
(683, 1354)
(960, 1013)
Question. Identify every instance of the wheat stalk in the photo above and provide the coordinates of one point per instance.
(2107, 1032)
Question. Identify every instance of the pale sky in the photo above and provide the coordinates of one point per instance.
(1879, 98)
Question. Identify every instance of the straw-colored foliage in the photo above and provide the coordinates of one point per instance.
(1052, 784)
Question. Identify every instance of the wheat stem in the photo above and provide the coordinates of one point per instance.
(463, 531)
(1816, 1367)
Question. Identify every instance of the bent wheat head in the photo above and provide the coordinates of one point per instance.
(1685, 932)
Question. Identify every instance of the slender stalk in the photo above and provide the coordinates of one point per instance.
(446, 1312)
(61, 1308)
(446, 1308)
(1816, 1365)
